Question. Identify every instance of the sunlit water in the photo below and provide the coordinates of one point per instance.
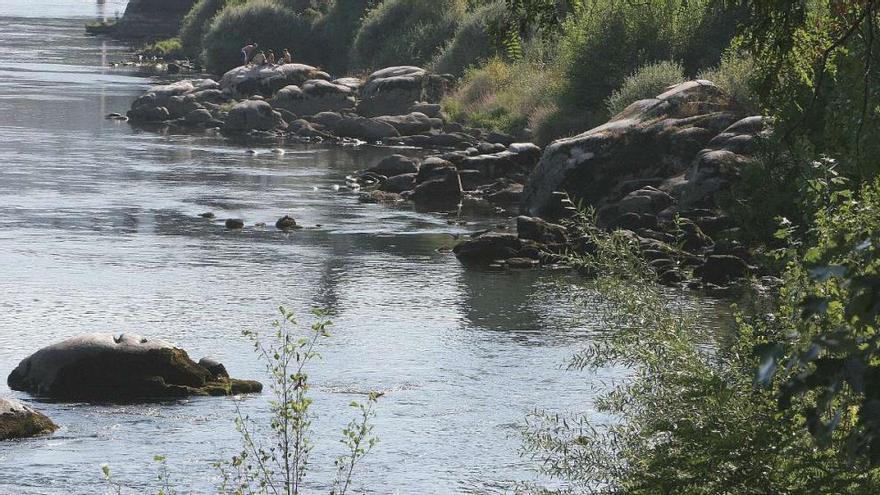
(99, 231)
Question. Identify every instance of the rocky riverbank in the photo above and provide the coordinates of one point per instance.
(656, 170)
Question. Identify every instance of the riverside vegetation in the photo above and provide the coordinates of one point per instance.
(786, 403)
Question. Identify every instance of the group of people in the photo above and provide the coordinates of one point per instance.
(251, 55)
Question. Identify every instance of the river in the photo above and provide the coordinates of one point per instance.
(99, 231)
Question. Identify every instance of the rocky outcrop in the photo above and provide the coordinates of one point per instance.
(656, 139)
(253, 115)
(268, 79)
(104, 367)
(394, 90)
(174, 101)
(18, 420)
(151, 19)
(315, 96)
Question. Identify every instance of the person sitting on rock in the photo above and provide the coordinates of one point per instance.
(285, 57)
(270, 58)
(259, 59)
(247, 53)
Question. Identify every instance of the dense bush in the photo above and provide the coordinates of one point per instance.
(336, 30)
(192, 29)
(647, 82)
(263, 21)
(689, 418)
(734, 75)
(472, 42)
(406, 32)
(604, 43)
(513, 97)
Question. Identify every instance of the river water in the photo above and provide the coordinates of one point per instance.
(99, 231)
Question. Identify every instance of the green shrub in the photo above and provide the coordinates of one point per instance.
(406, 32)
(604, 43)
(512, 97)
(647, 82)
(169, 49)
(472, 42)
(335, 32)
(192, 29)
(263, 21)
(688, 418)
(734, 75)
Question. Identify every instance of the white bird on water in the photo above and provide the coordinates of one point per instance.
(278, 151)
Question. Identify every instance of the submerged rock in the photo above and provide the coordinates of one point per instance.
(286, 223)
(234, 223)
(104, 367)
(20, 421)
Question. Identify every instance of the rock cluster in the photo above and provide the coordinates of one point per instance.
(397, 105)
(655, 170)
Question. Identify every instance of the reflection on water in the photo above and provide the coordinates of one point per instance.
(99, 231)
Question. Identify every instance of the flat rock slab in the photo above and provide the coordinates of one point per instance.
(20, 421)
(103, 367)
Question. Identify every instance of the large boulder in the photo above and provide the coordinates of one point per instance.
(268, 79)
(105, 367)
(652, 138)
(494, 247)
(717, 165)
(253, 115)
(442, 191)
(412, 123)
(364, 128)
(519, 158)
(395, 165)
(20, 421)
(394, 90)
(315, 96)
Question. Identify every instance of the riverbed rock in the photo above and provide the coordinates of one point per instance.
(399, 183)
(395, 165)
(286, 222)
(394, 90)
(268, 79)
(365, 129)
(253, 115)
(538, 230)
(493, 247)
(169, 101)
(313, 97)
(234, 223)
(722, 269)
(657, 137)
(18, 420)
(442, 191)
(104, 367)
(411, 124)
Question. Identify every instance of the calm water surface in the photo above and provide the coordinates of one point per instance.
(99, 232)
